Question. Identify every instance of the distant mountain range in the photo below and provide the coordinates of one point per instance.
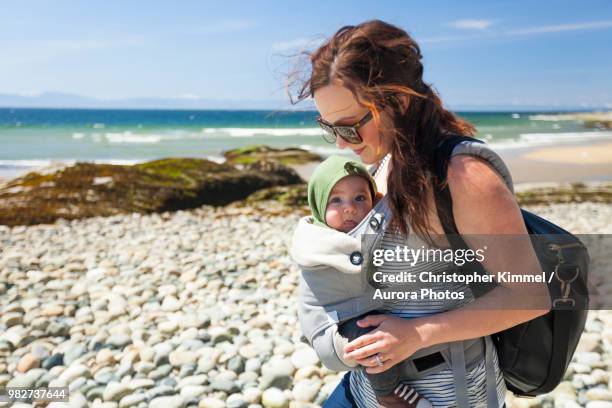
(65, 100)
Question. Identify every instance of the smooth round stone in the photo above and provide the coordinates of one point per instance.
(236, 364)
(194, 321)
(144, 367)
(252, 395)
(114, 391)
(187, 370)
(74, 371)
(14, 308)
(125, 369)
(205, 365)
(236, 401)
(599, 394)
(5, 346)
(131, 400)
(587, 357)
(190, 392)
(74, 353)
(12, 319)
(193, 380)
(27, 362)
(105, 375)
(277, 373)
(190, 334)
(160, 391)
(252, 364)
(141, 383)
(306, 390)
(228, 386)
(167, 402)
(168, 327)
(40, 352)
(581, 368)
(57, 329)
(249, 351)
(52, 310)
(77, 400)
(95, 393)
(598, 404)
(274, 398)
(105, 357)
(220, 334)
(284, 349)
(193, 344)
(78, 384)
(147, 354)
(211, 403)
(162, 353)
(304, 357)
(24, 380)
(178, 358)
(588, 342)
(168, 381)
(171, 304)
(160, 372)
(306, 372)
(248, 377)
(119, 340)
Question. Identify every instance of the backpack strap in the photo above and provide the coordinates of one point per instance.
(444, 206)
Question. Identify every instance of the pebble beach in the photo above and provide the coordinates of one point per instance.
(198, 308)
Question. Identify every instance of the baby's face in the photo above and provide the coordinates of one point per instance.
(349, 201)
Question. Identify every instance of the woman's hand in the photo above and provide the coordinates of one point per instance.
(394, 339)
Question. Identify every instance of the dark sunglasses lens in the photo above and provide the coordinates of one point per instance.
(349, 134)
(328, 133)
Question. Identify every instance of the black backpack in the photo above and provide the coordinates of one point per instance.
(534, 355)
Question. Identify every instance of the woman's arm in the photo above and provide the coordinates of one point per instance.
(482, 204)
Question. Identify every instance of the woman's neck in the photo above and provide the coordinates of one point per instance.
(380, 175)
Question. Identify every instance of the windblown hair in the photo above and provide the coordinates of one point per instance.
(381, 65)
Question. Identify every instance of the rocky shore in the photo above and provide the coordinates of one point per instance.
(148, 307)
(88, 189)
(198, 308)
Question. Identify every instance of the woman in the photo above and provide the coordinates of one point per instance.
(370, 77)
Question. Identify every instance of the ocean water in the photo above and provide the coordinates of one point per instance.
(38, 137)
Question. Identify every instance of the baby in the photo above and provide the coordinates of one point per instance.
(341, 193)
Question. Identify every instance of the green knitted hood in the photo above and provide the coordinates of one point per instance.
(325, 177)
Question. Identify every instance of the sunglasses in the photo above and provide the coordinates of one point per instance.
(349, 134)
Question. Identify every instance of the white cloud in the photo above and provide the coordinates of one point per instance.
(596, 25)
(299, 43)
(188, 96)
(472, 24)
(562, 27)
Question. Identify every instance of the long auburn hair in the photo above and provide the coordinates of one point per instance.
(381, 65)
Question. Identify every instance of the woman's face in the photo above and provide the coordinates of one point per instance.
(337, 105)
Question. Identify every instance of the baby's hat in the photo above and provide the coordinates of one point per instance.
(325, 177)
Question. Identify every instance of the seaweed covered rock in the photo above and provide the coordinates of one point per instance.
(88, 189)
(252, 154)
(293, 196)
(571, 193)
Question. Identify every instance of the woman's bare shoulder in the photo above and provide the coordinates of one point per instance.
(482, 203)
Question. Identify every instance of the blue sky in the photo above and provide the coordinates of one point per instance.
(480, 53)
